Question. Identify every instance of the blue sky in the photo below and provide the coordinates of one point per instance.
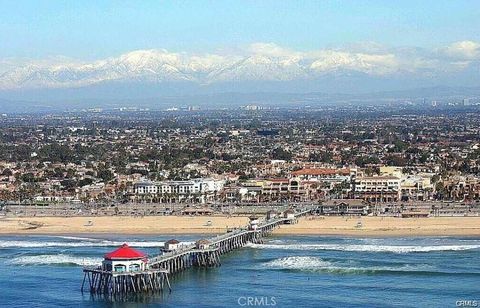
(97, 29)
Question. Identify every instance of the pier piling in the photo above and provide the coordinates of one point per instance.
(204, 253)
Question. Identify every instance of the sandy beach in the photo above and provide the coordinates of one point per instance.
(370, 226)
(385, 226)
(120, 225)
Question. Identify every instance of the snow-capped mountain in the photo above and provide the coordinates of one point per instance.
(262, 62)
(157, 66)
(160, 66)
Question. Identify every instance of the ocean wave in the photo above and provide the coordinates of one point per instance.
(102, 243)
(276, 241)
(58, 259)
(77, 238)
(315, 264)
(366, 248)
(299, 263)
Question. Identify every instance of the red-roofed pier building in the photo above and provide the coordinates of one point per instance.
(125, 270)
(124, 259)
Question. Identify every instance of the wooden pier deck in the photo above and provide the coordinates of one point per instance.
(204, 253)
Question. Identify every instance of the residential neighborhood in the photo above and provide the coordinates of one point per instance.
(252, 156)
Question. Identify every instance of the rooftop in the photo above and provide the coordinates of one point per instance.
(321, 171)
(124, 252)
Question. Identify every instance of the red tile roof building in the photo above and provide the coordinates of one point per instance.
(125, 252)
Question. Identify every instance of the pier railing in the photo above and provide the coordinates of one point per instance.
(235, 237)
(204, 253)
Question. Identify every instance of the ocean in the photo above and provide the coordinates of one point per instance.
(285, 271)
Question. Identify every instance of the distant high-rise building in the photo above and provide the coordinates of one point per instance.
(466, 102)
(252, 107)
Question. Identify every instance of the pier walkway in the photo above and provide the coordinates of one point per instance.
(203, 253)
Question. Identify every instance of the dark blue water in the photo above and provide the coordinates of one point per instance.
(300, 271)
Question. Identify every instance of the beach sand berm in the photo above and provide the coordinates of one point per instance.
(351, 226)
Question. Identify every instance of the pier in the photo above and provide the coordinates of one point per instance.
(126, 270)
(107, 282)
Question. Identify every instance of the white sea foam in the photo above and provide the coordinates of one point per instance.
(76, 238)
(366, 248)
(277, 241)
(102, 243)
(315, 264)
(299, 263)
(54, 259)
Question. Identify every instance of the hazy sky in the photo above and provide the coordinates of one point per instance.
(374, 45)
(97, 29)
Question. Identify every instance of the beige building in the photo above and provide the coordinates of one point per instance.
(377, 188)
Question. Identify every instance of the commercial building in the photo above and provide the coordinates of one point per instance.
(377, 188)
(196, 190)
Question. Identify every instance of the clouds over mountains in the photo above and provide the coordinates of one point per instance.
(257, 62)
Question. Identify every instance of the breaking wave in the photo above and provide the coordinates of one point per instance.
(315, 264)
(58, 259)
(366, 248)
(83, 243)
(76, 238)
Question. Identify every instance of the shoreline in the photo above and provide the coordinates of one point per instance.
(313, 225)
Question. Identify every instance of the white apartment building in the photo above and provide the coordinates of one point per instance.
(416, 187)
(377, 188)
(198, 190)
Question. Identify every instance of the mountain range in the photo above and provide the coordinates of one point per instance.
(162, 76)
(157, 66)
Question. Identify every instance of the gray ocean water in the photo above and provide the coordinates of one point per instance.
(286, 271)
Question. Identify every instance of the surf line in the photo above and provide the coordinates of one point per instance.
(126, 270)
